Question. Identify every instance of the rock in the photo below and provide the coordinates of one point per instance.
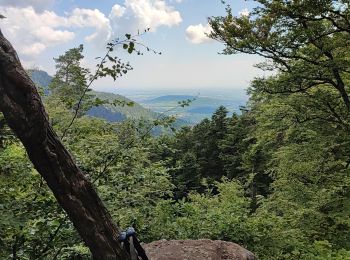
(203, 249)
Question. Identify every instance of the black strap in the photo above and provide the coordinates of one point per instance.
(141, 252)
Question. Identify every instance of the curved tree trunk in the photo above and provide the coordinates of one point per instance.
(25, 114)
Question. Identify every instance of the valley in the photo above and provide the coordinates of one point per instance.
(150, 104)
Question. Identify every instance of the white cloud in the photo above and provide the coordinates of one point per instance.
(38, 5)
(145, 14)
(245, 12)
(33, 32)
(53, 37)
(33, 49)
(198, 33)
(117, 11)
(89, 18)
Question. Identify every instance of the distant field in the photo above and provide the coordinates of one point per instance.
(200, 108)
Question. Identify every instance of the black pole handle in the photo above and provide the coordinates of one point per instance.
(133, 245)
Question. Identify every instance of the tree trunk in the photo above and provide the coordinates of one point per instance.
(25, 114)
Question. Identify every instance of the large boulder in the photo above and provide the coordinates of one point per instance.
(203, 249)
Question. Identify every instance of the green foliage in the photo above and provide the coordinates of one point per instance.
(305, 41)
(303, 213)
(6, 136)
(220, 216)
(299, 138)
(29, 212)
(201, 155)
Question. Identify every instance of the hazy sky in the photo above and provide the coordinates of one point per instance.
(43, 29)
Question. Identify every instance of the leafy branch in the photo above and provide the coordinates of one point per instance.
(111, 66)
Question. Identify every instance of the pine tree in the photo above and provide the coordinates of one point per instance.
(70, 81)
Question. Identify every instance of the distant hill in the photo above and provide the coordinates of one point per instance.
(133, 112)
(105, 113)
(197, 101)
(202, 110)
(168, 98)
(40, 77)
(108, 112)
(201, 107)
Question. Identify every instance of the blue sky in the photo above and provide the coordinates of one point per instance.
(43, 29)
